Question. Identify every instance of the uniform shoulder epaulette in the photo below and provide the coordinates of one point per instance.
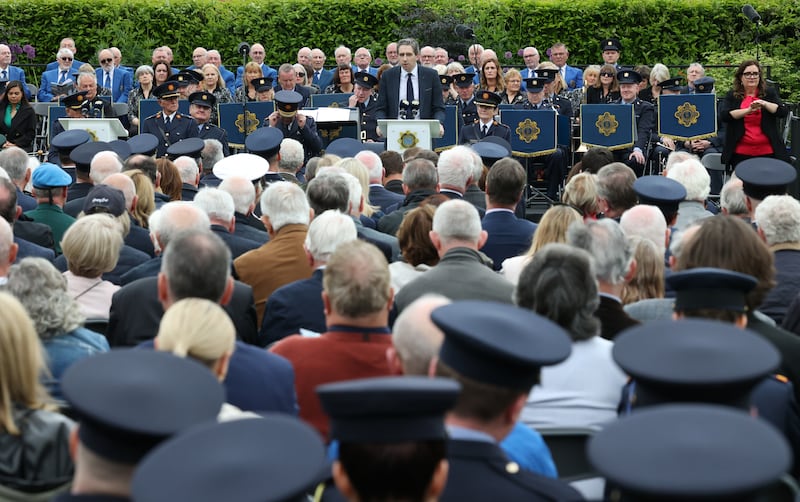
(780, 378)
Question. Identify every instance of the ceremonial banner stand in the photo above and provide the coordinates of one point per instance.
(687, 117)
(232, 118)
(533, 132)
(450, 137)
(611, 126)
(404, 134)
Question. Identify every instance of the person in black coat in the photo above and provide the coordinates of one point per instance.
(201, 105)
(363, 98)
(17, 118)
(169, 125)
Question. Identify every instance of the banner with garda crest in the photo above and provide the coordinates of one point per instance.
(338, 100)
(238, 120)
(450, 138)
(687, 116)
(611, 126)
(533, 132)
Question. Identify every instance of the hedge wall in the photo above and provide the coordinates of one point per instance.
(675, 33)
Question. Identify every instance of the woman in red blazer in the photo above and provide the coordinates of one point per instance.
(17, 118)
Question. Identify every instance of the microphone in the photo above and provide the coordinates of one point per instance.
(244, 48)
(464, 31)
(751, 13)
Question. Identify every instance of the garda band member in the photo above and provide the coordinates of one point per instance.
(465, 87)
(202, 104)
(366, 103)
(486, 103)
(295, 125)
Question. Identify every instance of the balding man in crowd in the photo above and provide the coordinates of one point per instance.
(695, 179)
(213, 57)
(614, 266)
(461, 273)
(378, 195)
(297, 306)
(285, 214)
(778, 221)
(218, 206)
(732, 199)
(615, 189)
(420, 181)
(357, 296)
(244, 203)
(257, 55)
(138, 237)
(190, 176)
(15, 162)
(199, 58)
(103, 165)
(135, 309)
(648, 223)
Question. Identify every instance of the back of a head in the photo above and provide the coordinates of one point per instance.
(177, 217)
(559, 283)
(648, 281)
(615, 185)
(124, 184)
(6, 241)
(457, 221)
(241, 190)
(420, 174)
(455, 166)
(605, 241)
(328, 191)
(15, 161)
(285, 204)
(8, 200)
(143, 163)
(92, 245)
(392, 162)
(216, 203)
(197, 264)
(327, 232)
(729, 243)
(373, 163)
(647, 222)
(732, 198)
(414, 239)
(553, 226)
(693, 176)
(357, 280)
(415, 337)
(505, 182)
(196, 328)
(103, 165)
(581, 193)
(291, 155)
(778, 218)
(188, 169)
(211, 154)
(677, 157)
(596, 158)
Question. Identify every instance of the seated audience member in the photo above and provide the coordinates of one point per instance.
(17, 118)
(778, 221)
(393, 167)
(461, 273)
(582, 391)
(552, 228)
(648, 281)
(416, 248)
(357, 296)
(42, 290)
(35, 436)
(695, 179)
(615, 192)
(219, 207)
(581, 194)
(420, 180)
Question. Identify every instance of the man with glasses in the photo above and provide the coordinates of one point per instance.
(199, 58)
(257, 55)
(66, 43)
(53, 81)
(169, 125)
(118, 81)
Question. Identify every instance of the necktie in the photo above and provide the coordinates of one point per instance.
(316, 76)
(409, 88)
(485, 131)
(107, 82)
(167, 121)
(5, 75)
(62, 76)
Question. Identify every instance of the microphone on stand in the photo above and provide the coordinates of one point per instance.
(464, 31)
(751, 13)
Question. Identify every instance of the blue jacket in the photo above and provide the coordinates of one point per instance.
(508, 236)
(16, 73)
(121, 84)
(293, 306)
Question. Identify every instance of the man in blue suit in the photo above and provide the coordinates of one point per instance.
(531, 57)
(8, 72)
(573, 77)
(508, 235)
(62, 74)
(214, 58)
(322, 78)
(363, 60)
(414, 81)
(66, 43)
(116, 80)
(257, 55)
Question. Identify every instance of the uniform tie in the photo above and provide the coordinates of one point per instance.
(485, 131)
(167, 121)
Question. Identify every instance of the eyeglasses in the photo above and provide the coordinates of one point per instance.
(751, 74)
(65, 59)
(606, 74)
(105, 61)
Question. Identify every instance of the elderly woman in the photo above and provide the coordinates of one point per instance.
(17, 118)
(34, 439)
(146, 78)
(552, 228)
(252, 71)
(658, 74)
(418, 252)
(91, 247)
(606, 89)
(42, 290)
(200, 329)
(584, 390)
(342, 80)
(751, 111)
(513, 93)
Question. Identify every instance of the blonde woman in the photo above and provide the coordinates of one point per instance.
(359, 170)
(145, 193)
(213, 83)
(35, 438)
(201, 330)
(552, 228)
(513, 93)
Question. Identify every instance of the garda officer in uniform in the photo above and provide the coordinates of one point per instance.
(366, 103)
(201, 105)
(644, 121)
(169, 125)
(486, 103)
(447, 96)
(559, 103)
(611, 48)
(295, 125)
(465, 86)
(494, 349)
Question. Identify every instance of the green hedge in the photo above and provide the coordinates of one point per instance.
(674, 33)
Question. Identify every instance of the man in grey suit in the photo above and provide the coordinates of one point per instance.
(414, 81)
(461, 273)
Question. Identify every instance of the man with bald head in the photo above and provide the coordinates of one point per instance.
(304, 56)
(257, 55)
(363, 60)
(8, 72)
(138, 237)
(214, 58)
(118, 81)
(199, 58)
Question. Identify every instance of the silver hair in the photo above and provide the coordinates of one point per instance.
(42, 290)
(291, 155)
(372, 161)
(188, 169)
(457, 220)
(659, 72)
(354, 192)
(732, 198)
(677, 157)
(103, 165)
(64, 52)
(420, 174)
(778, 217)
(6, 240)
(606, 243)
(455, 166)
(241, 190)
(647, 222)
(216, 203)
(414, 336)
(327, 231)
(15, 161)
(145, 68)
(285, 204)
(176, 217)
(477, 166)
(211, 154)
(680, 238)
(693, 176)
